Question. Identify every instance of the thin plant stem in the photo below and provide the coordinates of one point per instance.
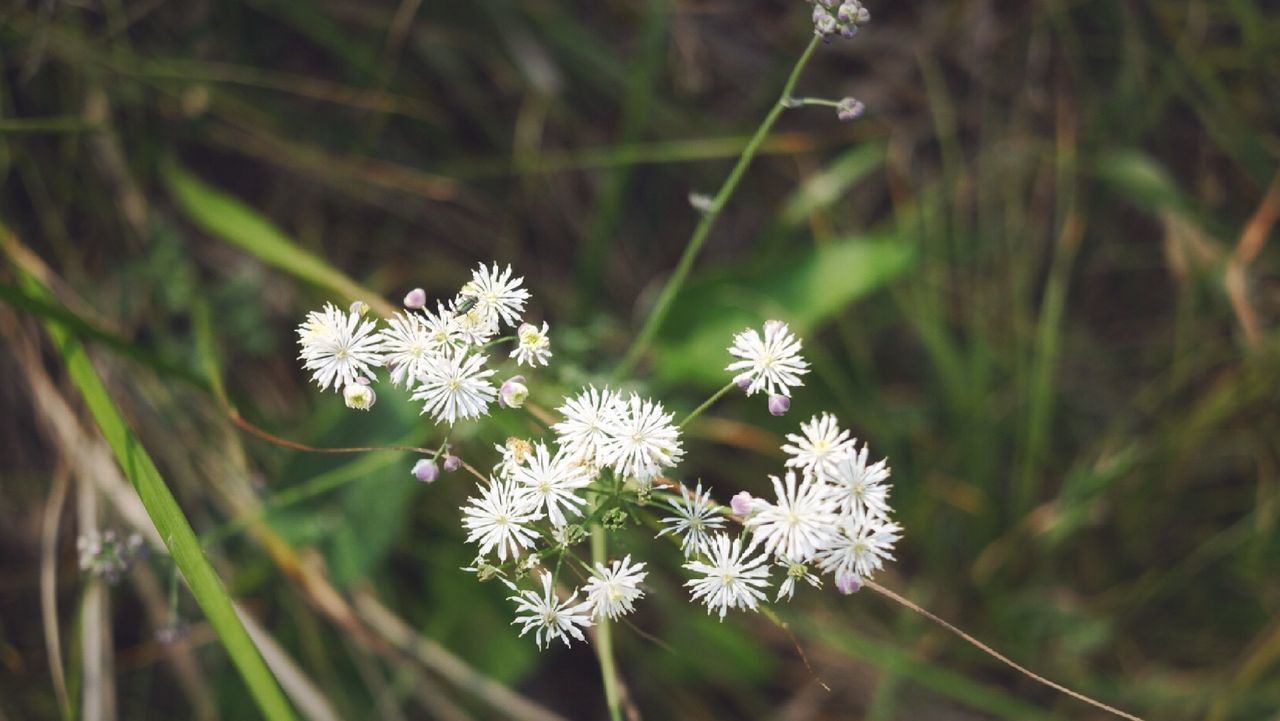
(604, 634)
(824, 102)
(694, 246)
(911, 606)
(248, 427)
(707, 404)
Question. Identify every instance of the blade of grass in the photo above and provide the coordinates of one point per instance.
(168, 518)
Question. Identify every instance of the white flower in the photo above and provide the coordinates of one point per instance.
(860, 489)
(499, 519)
(534, 348)
(453, 386)
(695, 517)
(729, 579)
(820, 448)
(773, 364)
(338, 347)
(642, 442)
(474, 327)
(587, 420)
(442, 328)
(359, 396)
(549, 482)
(551, 617)
(515, 453)
(496, 294)
(795, 572)
(801, 523)
(613, 591)
(408, 343)
(860, 549)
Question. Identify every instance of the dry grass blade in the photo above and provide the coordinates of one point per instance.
(49, 585)
(1251, 242)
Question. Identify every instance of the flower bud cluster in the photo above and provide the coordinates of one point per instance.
(838, 17)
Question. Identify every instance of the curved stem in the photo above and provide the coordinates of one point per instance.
(909, 605)
(605, 636)
(674, 283)
(706, 404)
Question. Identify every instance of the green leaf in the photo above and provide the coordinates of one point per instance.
(1141, 179)
(822, 189)
(805, 290)
(168, 518)
(226, 217)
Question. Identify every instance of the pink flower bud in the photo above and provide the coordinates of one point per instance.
(425, 470)
(741, 503)
(513, 392)
(779, 405)
(847, 583)
(415, 299)
(452, 463)
(744, 381)
(358, 307)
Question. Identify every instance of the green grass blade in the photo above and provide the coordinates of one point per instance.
(226, 217)
(169, 520)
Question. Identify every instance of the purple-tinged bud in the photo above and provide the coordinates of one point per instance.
(425, 470)
(741, 503)
(743, 381)
(848, 30)
(359, 396)
(864, 16)
(513, 392)
(415, 299)
(358, 307)
(847, 583)
(849, 109)
(452, 463)
(774, 326)
(825, 25)
(779, 405)
(847, 12)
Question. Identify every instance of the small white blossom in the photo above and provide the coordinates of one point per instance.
(860, 549)
(819, 447)
(499, 519)
(496, 294)
(613, 591)
(454, 385)
(515, 453)
(801, 523)
(772, 364)
(795, 572)
(474, 327)
(642, 442)
(534, 348)
(408, 344)
(550, 482)
(860, 489)
(338, 347)
(551, 617)
(359, 396)
(442, 328)
(696, 516)
(587, 420)
(730, 579)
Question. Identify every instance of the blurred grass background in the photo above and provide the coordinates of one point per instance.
(1035, 275)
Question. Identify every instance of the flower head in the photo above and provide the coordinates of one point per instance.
(550, 482)
(820, 446)
(496, 295)
(515, 453)
(338, 347)
(860, 549)
(408, 344)
(359, 396)
(454, 385)
(643, 441)
(534, 348)
(613, 590)
(860, 489)
(499, 519)
(696, 516)
(802, 522)
(730, 578)
(587, 420)
(772, 363)
(549, 617)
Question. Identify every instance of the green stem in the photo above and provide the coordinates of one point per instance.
(707, 404)
(824, 102)
(676, 281)
(604, 635)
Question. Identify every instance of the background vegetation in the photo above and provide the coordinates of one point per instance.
(1035, 275)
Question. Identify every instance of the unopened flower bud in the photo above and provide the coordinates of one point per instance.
(741, 503)
(825, 24)
(415, 299)
(774, 325)
(743, 381)
(779, 405)
(452, 463)
(425, 470)
(847, 583)
(359, 396)
(849, 109)
(847, 12)
(513, 392)
(358, 307)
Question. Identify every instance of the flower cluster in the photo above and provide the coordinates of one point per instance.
(439, 354)
(838, 17)
(107, 556)
(604, 459)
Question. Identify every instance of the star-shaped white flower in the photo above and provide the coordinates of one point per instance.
(860, 549)
(454, 385)
(772, 364)
(338, 347)
(533, 347)
(819, 447)
(495, 294)
(549, 617)
(861, 489)
(613, 590)
(730, 577)
(643, 441)
(587, 420)
(408, 343)
(802, 522)
(499, 520)
(550, 482)
(696, 516)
